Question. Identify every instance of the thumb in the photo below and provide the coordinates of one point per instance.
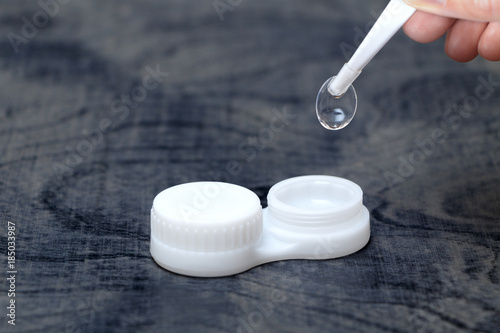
(478, 10)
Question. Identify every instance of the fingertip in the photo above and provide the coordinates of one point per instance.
(456, 50)
(489, 44)
(489, 54)
(423, 27)
(459, 55)
(462, 40)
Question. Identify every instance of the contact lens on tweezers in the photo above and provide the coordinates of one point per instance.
(336, 111)
(337, 100)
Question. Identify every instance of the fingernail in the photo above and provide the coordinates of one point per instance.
(426, 3)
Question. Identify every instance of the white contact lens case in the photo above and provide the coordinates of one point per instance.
(211, 229)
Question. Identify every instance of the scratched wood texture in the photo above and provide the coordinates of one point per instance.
(88, 139)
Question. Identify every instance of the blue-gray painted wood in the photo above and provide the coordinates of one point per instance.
(80, 165)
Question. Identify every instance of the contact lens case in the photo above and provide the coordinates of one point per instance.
(211, 229)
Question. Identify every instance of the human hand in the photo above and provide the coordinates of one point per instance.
(471, 27)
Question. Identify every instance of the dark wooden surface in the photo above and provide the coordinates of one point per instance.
(82, 241)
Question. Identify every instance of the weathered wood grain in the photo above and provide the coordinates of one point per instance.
(82, 220)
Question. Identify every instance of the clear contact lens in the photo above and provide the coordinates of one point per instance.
(335, 112)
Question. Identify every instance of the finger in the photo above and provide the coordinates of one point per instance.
(489, 44)
(462, 40)
(477, 10)
(423, 27)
